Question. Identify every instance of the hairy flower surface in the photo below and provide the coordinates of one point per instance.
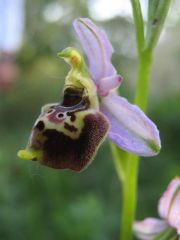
(169, 210)
(67, 134)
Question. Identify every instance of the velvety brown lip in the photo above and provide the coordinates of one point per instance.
(61, 151)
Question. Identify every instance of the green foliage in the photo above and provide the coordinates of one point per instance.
(157, 12)
(41, 203)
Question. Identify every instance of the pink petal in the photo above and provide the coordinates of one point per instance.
(107, 83)
(169, 204)
(130, 128)
(149, 228)
(99, 51)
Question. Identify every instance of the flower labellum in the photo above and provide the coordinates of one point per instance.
(68, 134)
(169, 209)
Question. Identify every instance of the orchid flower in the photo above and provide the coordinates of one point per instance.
(169, 209)
(68, 134)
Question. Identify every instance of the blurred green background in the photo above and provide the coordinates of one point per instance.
(37, 202)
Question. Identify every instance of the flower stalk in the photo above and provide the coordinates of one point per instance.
(145, 48)
(132, 169)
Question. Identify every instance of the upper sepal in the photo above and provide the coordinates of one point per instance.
(99, 52)
(130, 128)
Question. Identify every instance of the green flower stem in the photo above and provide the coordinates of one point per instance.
(131, 172)
(144, 74)
(141, 98)
(129, 197)
(127, 165)
(120, 161)
(139, 24)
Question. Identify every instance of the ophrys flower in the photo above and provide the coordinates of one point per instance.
(67, 134)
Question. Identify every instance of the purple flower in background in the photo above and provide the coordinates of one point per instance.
(130, 128)
(169, 211)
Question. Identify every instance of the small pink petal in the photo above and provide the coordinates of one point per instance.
(149, 228)
(107, 83)
(169, 204)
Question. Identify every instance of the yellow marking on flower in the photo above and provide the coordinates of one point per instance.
(72, 57)
(28, 154)
(78, 123)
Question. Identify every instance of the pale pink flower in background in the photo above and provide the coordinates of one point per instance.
(169, 211)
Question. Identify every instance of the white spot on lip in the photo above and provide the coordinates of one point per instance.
(58, 117)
